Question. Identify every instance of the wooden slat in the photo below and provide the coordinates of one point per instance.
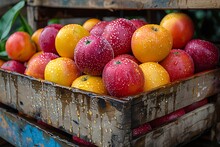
(21, 132)
(180, 131)
(6, 3)
(129, 4)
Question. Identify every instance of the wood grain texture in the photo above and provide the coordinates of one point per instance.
(129, 4)
(181, 130)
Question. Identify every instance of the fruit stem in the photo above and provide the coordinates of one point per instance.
(88, 42)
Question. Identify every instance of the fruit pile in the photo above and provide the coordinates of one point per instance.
(120, 57)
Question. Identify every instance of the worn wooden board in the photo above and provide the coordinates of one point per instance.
(129, 4)
(103, 120)
(21, 132)
(182, 130)
(6, 3)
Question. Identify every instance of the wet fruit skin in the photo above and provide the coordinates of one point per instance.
(178, 64)
(151, 43)
(20, 47)
(181, 27)
(118, 33)
(205, 54)
(37, 64)
(14, 66)
(92, 53)
(99, 28)
(35, 37)
(138, 22)
(123, 77)
(90, 23)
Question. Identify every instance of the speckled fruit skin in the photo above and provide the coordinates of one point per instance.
(92, 53)
(14, 66)
(205, 54)
(178, 64)
(123, 77)
(129, 56)
(118, 33)
(37, 64)
(99, 28)
(138, 22)
(47, 38)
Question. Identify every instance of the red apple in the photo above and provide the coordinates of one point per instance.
(129, 56)
(123, 77)
(167, 118)
(181, 27)
(98, 28)
(118, 33)
(138, 22)
(196, 105)
(204, 54)
(141, 130)
(178, 64)
(92, 53)
(14, 66)
(47, 38)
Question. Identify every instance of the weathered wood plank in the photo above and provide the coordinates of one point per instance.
(164, 100)
(129, 4)
(181, 130)
(6, 3)
(21, 132)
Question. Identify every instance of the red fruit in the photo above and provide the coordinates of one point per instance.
(92, 53)
(47, 38)
(178, 64)
(99, 28)
(138, 22)
(129, 57)
(82, 142)
(196, 105)
(123, 77)
(167, 118)
(141, 130)
(14, 66)
(204, 54)
(118, 33)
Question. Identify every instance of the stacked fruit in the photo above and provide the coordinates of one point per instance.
(120, 57)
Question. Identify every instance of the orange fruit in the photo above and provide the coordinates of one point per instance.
(35, 37)
(88, 24)
(67, 38)
(62, 71)
(20, 47)
(154, 74)
(1, 62)
(90, 83)
(151, 43)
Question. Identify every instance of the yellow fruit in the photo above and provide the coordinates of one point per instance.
(35, 37)
(90, 83)
(154, 74)
(89, 24)
(62, 71)
(67, 38)
(1, 62)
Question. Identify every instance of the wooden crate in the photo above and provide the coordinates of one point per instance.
(105, 120)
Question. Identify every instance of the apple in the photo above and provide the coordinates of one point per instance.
(141, 130)
(47, 38)
(14, 66)
(196, 105)
(178, 64)
(36, 65)
(167, 118)
(99, 28)
(181, 27)
(92, 53)
(123, 77)
(204, 54)
(129, 56)
(138, 22)
(118, 33)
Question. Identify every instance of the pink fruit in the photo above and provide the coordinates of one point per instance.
(204, 54)
(14, 66)
(196, 105)
(167, 118)
(123, 77)
(118, 33)
(178, 64)
(92, 53)
(99, 28)
(138, 22)
(141, 130)
(129, 56)
(47, 38)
